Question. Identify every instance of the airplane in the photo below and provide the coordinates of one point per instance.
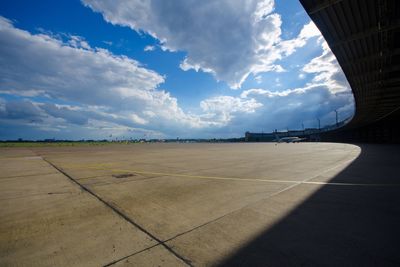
(289, 139)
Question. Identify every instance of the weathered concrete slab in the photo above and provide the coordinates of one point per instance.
(23, 165)
(48, 221)
(169, 206)
(200, 204)
(156, 256)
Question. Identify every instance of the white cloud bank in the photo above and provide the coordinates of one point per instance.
(107, 93)
(102, 86)
(327, 91)
(230, 39)
(41, 64)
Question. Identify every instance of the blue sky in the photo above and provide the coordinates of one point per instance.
(163, 69)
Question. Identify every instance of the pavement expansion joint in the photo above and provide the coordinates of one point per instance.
(295, 183)
(233, 211)
(114, 208)
(130, 255)
(163, 243)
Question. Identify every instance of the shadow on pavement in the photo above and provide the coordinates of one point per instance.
(338, 225)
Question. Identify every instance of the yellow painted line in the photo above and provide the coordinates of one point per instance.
(85, 166)
(350, 184)
(201, 176)
(248, 179)
(231, 178)
(19, 157)
(103, 166)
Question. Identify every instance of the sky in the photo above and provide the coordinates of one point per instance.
(156, 69)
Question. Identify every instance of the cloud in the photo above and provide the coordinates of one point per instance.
(328, 71)
(288, 47)
(258, 79)
(229, 39)
(281, 110)
(292, 107)
(259, 109)
(20, 110)
(99, 85)
(149, 48)
(71, 71)
(94, 93)
(271, 94)
(74, 116)
(222, 109)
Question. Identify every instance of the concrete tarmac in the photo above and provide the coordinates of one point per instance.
(245, 204)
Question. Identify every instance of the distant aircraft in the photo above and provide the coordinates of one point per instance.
(289, 139)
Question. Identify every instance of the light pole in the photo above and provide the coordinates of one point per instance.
(337, 123)
(319, 130)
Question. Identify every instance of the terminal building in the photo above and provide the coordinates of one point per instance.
(311, 134)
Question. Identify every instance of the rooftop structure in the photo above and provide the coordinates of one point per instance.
(365, 37)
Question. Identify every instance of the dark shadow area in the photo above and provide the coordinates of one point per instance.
(386, 130)
(338, 225)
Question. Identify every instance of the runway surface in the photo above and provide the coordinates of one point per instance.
(249, 204)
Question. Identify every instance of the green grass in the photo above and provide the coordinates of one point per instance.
(57, 144)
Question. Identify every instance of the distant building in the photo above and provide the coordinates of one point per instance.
(311, 134)
(259, 137)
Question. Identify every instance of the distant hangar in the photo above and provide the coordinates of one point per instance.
(364, 35)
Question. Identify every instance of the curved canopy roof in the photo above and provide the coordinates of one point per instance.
(365, 37)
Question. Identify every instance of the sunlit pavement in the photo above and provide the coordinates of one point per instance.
(200, 204)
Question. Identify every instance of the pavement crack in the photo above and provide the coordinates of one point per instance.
(116, 210)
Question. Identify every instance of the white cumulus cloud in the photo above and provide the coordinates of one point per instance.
(229, 39)
(108, 93)
(99, 85)
(222, 109)
(259, 109)
(148, 48)
(327, 71)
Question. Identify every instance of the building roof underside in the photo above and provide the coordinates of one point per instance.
(364, 35)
